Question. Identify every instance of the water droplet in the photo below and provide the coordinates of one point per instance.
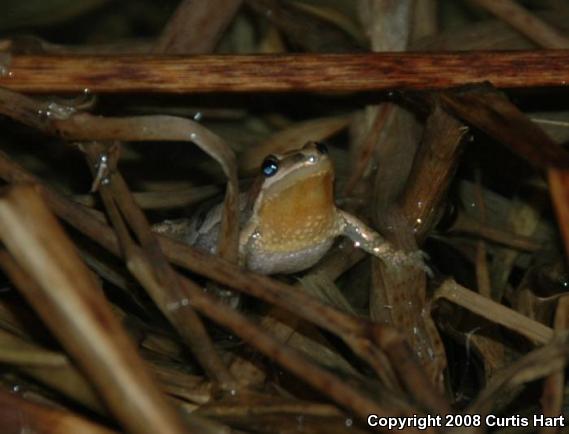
(60, 111)
(419, 221)
(198, 116)
(175, 305)
(357, 244)
(102, 167)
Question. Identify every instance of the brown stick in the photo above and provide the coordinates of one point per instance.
(495, 312)
(39, 363)
(122, 210)
(284, 73)
(433, 170)
(18, 415)
(553, 386)
(559, 190)
(196, 26)
(69, 301)
(525, 22)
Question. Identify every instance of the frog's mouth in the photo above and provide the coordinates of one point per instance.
(297, 178)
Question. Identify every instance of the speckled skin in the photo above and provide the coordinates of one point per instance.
(293, 220)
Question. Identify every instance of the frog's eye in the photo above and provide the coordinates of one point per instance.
(321, 148)
(270, 166)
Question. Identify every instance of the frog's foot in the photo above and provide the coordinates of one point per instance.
(399, 259)
(226, 296)
(180, 229)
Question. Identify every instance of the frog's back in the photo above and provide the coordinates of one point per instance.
(201, 230)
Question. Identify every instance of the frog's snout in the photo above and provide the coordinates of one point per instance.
(318, 147)
(314, 151)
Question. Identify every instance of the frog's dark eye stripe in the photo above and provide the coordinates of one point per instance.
(321, 148)
(270, 166)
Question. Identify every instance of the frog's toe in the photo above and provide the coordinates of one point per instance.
(414, 259)
(418, 259)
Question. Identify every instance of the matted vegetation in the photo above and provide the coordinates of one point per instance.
(116, 116)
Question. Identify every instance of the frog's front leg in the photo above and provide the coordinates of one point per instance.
(369, 240)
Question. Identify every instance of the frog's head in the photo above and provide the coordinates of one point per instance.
(308, 166)
(296, 190)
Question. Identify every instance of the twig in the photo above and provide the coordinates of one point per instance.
(433, 169)
(63, 121)
(553, 386)
(494, 114)
(161, 281)
(19, 416)
(494, 312)
(16, 351)
(308, 31)
(71, 304)
(559, 189)
(293, 360)
(196, 26)
(525, 22)
(465, 224)
(484, 284)
(538, 363)
(365, 151)
(162, 199)
(273, 73)
(66, 379)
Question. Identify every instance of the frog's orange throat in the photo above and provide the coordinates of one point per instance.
(298, 216)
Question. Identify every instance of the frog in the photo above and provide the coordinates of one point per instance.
(289, 220)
